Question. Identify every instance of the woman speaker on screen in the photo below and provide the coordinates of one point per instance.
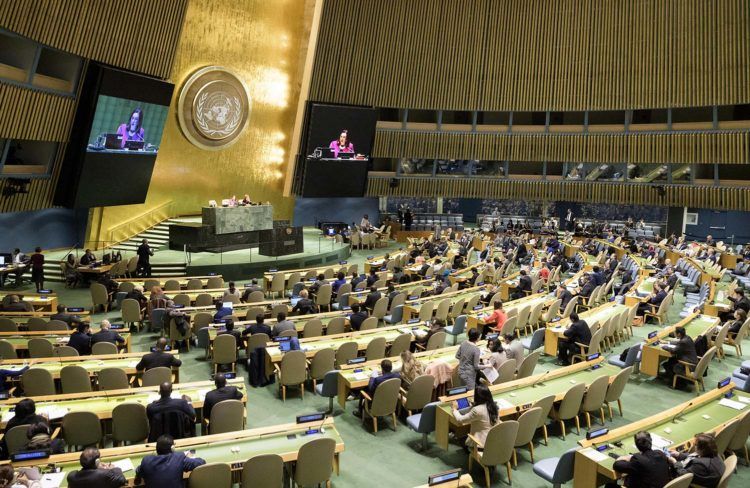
(132, 130)
(342, 144)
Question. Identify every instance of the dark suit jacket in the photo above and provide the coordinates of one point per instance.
(220, 394)
(565, 296)
(64, 317)
(649, 469)
(706, 471)
(80, 342)
(107, 336)
(658, 298)
(372, 297)
(743, 303)
(257, 329)
(524, 283)
(685, 350)
(578, 332)
(157, 359)
(587, 289)
(356, 319)
(96, 478)
(166, 470)
(374, 382)
(169, 404)
(236, 334)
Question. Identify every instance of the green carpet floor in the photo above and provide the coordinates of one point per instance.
(392, 458)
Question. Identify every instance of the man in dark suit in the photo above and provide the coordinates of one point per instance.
(165, 405)
(564, 295)
(648, 468)
(578, 332)
(249, 289)
(392, 293)
(739, 301)
(95, 474)
(373, 277)
(359, 314)
(62, 315)
(158, 358)
(144, 258)
(651, 305)
(683, 349)
(588, 287)
(597, 275)
(166, 469)
(80, 340)
(230, 330)
(372, 298)
(259, 327)
(386, 373)
(524, 285)
(221, 393)
(107, 335)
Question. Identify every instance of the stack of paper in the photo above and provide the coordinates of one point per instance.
(124, 464)
(53, 480)
(732, 404)
(658, 442)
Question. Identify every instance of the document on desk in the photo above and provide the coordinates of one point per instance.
(132, 364)
(595, 455)
(124, 464)
(361, 376)
(491, 374)
(658, 442)
(53, 480)
(732, 404)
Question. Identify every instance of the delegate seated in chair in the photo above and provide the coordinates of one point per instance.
(682, 349)
(173, 416)
(651, 305)
(386, 373)
(577, 333)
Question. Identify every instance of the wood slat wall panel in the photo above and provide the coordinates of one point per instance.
(699, 148)
(534, 55)
(35, 115)
(725, 198)
(139, 36)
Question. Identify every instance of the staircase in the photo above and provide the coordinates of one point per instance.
(158, 238)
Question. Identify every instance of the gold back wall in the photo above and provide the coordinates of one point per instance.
(533, 55)
(260, 41)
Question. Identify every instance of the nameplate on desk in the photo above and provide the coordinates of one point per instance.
(45, 292)
(117, 326)
(653, 334)
(413, 321)
(724, 382)
(457, 391)
(478, 307)
(29, 455)
(178, 305)
(212, 273)
(343, 262)
(357, 360)
(313, 417)
(596, 433)
(74, 309)
(453, 475)
(272, 270)
(591, 357)
(413, 297)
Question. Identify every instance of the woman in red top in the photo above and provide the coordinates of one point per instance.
(497, 319)
(37, 268)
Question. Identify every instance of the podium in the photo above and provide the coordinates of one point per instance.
(223, 229)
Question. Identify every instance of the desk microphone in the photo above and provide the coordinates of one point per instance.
(538, 381)
(679, 414)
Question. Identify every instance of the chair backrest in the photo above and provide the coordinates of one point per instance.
(425, 311)
(180, 299)
(596, 339)
(293, 368)
(498, 448)
(380, 308)
(215, 282)
(263, 471)
(204, 300)
(730, 464)
(443, 309)
(253, 312)
(369, 323)
(506, 372)
(129, 423)
(595, 394)
(552, 311)
(211, 475)
(75, 379)
(571, 401)
(37, 382)
(57, 325)
(82, 428)
(400, 344)
(523, 316)
(99, 294)
(7, 351)
(40, 348)
(172, 285)
(112, 379)
(64, 352)
(16, 439)
(254, 341)
(700, 368)
(398, 300)
(315, 462)
(225, 349)
(528, 364)
(617, 386)
(741, 434)
(509, 326)
(545, 404)
(436, 341)
(336, 325)
(721, 336)
(323, 297)
(427, 418)
(537, 339)
(323, 362)
(457, 308)
(528, 422)
(227, 416)
(385, 399)
(131, 309)
(8, 325)
(397, 314)
(156, 376)
(100, 348)
(375, 349)
(459, 325)
(570, 307)
(564, 469)
(345, 352)
(681, 481)
(126, 286)
(193, 284)
(420, 392)
(313, 328)
(725, 435)
(255, 296)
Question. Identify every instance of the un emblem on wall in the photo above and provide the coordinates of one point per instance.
(213, 108)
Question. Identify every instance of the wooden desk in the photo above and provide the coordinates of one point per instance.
(478, 317)
(718, 299)
(412, 307)
(360, 296)
(20, 340)
(92, 364)
(516, 396)
(183, 280)
(639, 293)
(555, 331)
(464, 481)
(98, 270)
(233, 448)
(593, 468)
(103, 402)
(23, 317)
(40, 301)
(653, 354)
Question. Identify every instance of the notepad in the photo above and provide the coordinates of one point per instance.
(53, 412)
(504, 404)
(53, 480)
(124, 464)
(732, 404)
(658, 442)
(132, 364)
(360, 376)
(596, 455)
(744, 399)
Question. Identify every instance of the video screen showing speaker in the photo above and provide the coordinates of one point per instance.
(337, 150)
(117, 134)
(125, 126)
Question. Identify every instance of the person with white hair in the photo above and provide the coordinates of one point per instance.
(106, 334)
(137, 294)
